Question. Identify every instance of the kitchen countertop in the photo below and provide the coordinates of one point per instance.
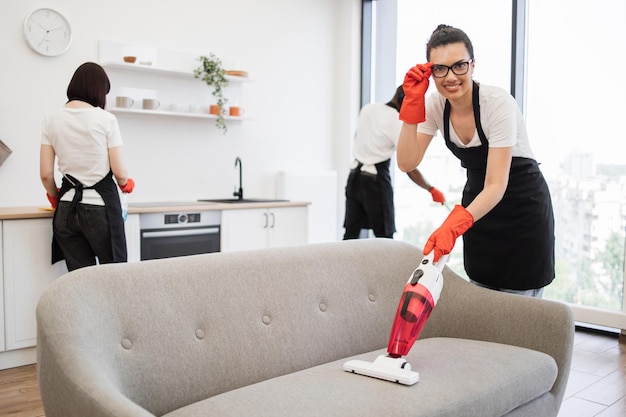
(13, 213)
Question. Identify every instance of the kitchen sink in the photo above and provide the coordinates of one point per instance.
(242, 200)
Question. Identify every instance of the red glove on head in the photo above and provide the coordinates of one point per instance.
(437, 195)
(54, 201)
(413, 110)
(128, 187)
(442, 240)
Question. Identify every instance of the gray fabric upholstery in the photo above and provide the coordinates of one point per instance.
(458, 378)
(157, 337)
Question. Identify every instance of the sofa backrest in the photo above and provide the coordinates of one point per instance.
(166, 333)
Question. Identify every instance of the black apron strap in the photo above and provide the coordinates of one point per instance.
(78, 190)
(476, 106)
(472, 158)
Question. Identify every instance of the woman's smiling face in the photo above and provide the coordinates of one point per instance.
(453, 86)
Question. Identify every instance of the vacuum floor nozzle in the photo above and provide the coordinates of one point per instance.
(384, 367)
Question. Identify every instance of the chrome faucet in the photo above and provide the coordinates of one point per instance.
(239, 193)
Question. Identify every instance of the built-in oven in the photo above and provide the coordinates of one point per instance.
(165, 235)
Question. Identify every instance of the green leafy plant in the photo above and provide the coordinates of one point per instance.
(212, 73)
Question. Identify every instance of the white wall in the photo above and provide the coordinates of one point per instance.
(303, 56)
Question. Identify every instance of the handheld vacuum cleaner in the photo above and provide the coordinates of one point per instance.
(420, 295)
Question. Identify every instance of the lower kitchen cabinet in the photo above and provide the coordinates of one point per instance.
(259, 228)
(25, 269)
(27, 272)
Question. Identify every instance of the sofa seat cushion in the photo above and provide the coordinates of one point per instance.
(458, 377)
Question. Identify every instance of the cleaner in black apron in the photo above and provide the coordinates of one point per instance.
(505, 216)
(85, 142)
(369, 190)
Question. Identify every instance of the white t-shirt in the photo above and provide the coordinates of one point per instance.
(500, 117)
(377, 133)
(81, 138)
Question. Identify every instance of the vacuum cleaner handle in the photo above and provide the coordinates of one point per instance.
(429, 275)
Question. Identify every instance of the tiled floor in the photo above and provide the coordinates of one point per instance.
(597, 382)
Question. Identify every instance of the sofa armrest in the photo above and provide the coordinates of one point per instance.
(467, 311)
(74, 380)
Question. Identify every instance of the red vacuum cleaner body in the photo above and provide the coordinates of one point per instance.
(419, 297)
(418, 300)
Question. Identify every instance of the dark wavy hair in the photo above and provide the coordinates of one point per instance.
(445, 35)
(90, 84)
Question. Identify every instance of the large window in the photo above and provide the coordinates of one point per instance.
(568, 83)
(574, 110)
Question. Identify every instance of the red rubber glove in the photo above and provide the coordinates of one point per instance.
(442, 240)
(54, 201)
(413, 110)
(128, 187)
(437, 195)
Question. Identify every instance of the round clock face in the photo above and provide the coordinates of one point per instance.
(48, 32)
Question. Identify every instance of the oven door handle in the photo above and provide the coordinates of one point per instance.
(176, 233)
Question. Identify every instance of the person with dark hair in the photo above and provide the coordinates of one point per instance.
(505, 217)
(369, 192)
(85, 139)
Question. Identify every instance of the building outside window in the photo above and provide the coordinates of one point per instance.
(575, 117)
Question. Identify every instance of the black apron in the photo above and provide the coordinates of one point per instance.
(378, 202)
(386, 196)
(108, 191)
(512, 246)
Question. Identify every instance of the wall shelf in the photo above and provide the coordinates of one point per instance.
(164, 113)
(141, 68)
(166, 76)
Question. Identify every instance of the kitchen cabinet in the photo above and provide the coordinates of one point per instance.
(166, 76)
(27, 272)
(25, 269)
(259, 228)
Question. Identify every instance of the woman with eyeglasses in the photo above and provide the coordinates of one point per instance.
(369, 190)
(505, 216)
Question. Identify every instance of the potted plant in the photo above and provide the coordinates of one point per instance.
(212, 73)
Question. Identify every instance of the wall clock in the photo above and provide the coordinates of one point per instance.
(47, 32)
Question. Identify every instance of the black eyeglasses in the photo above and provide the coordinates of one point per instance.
(460, 68)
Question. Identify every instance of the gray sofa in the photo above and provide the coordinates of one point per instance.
(265, 333)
